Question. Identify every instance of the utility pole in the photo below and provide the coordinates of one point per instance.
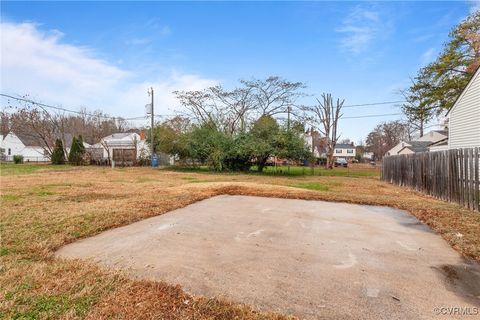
(152, 149)
(288, 118)
(288, 128)
(312, 161)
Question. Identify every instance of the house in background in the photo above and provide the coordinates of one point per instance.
(440, 145)
(431, 141)
(368, 156)
(24, 145)
(394, 151)
(124, 147)
(316, 143)
(434, 136)
(464, 117)
(29, 146)
(415, 147)
(345, 151)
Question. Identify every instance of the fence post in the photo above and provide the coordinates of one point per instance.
(451, 175)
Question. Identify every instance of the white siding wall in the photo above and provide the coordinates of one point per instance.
(14, 146)
(344, 153)
(464, 123)
(394, 151)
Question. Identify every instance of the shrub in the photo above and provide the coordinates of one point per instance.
(58, 156)
(17, 159)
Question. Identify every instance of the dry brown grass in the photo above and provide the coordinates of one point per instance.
(41, 212)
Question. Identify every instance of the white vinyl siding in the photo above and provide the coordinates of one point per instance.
(464, 123)
(344, 153)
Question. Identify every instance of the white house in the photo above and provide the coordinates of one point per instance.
(315, 143)
(345, 151)
(118, 143)
(24, 145)
(368, 155)
(394, 151)
(414, 147)
(464, 117)
(434, 138)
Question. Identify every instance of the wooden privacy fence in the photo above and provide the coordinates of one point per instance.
(451, 175)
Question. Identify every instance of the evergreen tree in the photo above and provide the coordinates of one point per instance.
(58, 157)
(437, 86)
(77, 151)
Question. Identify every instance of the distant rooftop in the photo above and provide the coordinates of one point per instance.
(418, 146)
(344, 146)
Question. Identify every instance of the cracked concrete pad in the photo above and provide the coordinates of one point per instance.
(311, 259)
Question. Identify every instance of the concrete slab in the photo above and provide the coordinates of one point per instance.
(311, 259)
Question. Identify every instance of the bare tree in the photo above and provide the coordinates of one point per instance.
(274, 95)
(234, 110)
(326, 115)
(4, 123)
(385, 136)
(211, 105)
(39, 126)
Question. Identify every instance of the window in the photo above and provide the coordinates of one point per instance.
(338, 150)
(9, 151)
(349, 151)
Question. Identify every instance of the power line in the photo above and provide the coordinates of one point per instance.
(67, 110)
(372, 104)
(373, 116)
(163, 116)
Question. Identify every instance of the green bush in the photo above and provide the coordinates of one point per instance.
(17, 159)
(58, 156)
(77, 151)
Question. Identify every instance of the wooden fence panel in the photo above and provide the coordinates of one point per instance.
(451, 175)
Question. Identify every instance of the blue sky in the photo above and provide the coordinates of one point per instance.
(104, 55)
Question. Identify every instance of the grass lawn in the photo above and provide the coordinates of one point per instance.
(49, 206)
(7, 169)
(356, 170)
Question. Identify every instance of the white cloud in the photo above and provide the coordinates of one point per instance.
(428, 56)
(360, 28)
(39, 64)
(474, 6)
(165, 30)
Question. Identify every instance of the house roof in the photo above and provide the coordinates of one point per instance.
(417, 146)
(29, 140)
(442, 132)
(475, 75)
(344, 146)
(120, 135)
(33, 140)
(443, 142)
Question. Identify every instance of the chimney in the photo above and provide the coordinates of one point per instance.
(142, 134)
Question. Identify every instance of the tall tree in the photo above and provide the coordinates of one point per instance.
(326, 115)
(264, 132)
(77, 151)
(274, 95)
(58, 154)
(385, 136)
(437, 85)
(233, 111)
(417, 107)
